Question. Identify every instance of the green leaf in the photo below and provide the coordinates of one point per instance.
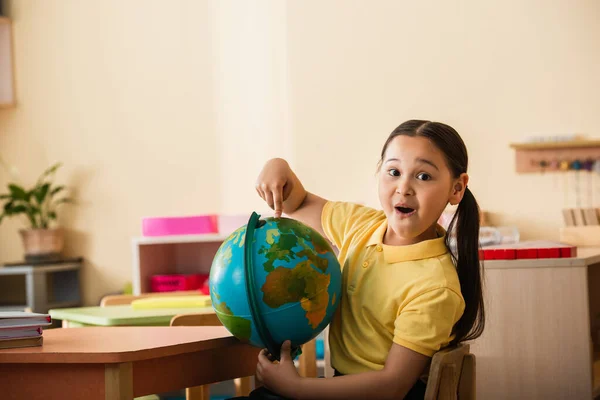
(8, 206)
(16, 210)
(40, 192)
(49, 172)
(56, 190)
(17, 192)
(33, 210)
(32, 220)
(51, 215)
(63, 200)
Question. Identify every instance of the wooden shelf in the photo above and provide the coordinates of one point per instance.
(186, 254)
(529, 156)
(574, 144)
(206, 238)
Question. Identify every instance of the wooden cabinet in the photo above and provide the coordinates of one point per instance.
(7, 87)
(186, 254)
(541, 339)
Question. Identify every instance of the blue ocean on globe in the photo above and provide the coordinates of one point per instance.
(293, 288)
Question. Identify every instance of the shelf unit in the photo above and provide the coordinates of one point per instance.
(529, 155)
(40, 287)
(7, 85)
(187, 254)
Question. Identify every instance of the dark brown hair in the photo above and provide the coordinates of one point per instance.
(465, 221)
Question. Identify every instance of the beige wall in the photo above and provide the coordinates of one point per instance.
(170, 108)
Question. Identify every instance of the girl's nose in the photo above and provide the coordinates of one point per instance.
(404, 188)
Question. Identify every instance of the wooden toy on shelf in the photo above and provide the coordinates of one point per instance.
(582, 226)
(540, 157)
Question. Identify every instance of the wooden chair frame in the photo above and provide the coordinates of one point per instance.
(452, 374)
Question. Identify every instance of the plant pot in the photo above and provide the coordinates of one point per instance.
(42, 244)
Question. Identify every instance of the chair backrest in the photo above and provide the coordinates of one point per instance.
(195, 320)
(452, 374)
(123, 299)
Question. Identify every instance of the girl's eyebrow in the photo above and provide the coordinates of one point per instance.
(421, 160)
(425, 161)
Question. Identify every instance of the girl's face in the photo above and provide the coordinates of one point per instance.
(415, 185)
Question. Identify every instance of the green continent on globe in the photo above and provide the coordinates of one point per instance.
(299, 284)
(291, 234)
(239, 327)
(225, 253)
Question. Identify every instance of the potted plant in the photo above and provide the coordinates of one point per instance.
(39, 205)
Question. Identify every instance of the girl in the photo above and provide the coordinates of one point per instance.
(405, 294)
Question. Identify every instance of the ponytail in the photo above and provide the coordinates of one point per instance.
(466, 221)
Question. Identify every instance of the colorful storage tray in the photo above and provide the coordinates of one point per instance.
(179, 282)
(528, 250)
(193, 225)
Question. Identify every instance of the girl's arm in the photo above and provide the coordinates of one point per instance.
(401, 371)
(282, 190)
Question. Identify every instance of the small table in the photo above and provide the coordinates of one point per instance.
(47, 285)
(123, 315)
(120, 363)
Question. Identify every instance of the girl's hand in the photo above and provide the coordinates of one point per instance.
(280, 377)
(275, 183)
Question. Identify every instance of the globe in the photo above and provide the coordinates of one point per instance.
(275, 279)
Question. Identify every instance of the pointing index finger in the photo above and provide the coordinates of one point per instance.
(278, 203)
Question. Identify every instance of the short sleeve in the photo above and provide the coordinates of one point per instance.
(341, 219)
(425, 323)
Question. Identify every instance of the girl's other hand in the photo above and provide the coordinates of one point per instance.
(280, 377)
(275, 183)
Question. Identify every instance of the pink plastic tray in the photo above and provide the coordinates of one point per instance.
(175, 282)
(164, 226)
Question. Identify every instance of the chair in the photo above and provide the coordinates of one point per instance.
(452, 374)
(243, 386)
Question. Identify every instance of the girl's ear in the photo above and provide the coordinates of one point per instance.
(458, 189)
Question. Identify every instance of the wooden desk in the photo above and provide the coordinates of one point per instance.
(542, 319)
(120, 316)
(120, 363)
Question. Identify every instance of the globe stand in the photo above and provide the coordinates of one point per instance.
(274, 349)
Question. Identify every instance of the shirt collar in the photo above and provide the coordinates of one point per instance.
(418, 251)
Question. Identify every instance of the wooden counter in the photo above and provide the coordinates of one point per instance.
(542, 319)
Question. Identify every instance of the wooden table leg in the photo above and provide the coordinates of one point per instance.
(243, 386)
(307, 362)
(118, 381)
(198, 393)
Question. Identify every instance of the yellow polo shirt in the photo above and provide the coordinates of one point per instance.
(409, 295)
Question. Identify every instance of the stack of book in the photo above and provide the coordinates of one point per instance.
(22, 329)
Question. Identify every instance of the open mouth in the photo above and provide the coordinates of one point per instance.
(405, 210)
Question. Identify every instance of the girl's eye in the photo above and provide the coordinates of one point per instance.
(394, 172)
(424, 176)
